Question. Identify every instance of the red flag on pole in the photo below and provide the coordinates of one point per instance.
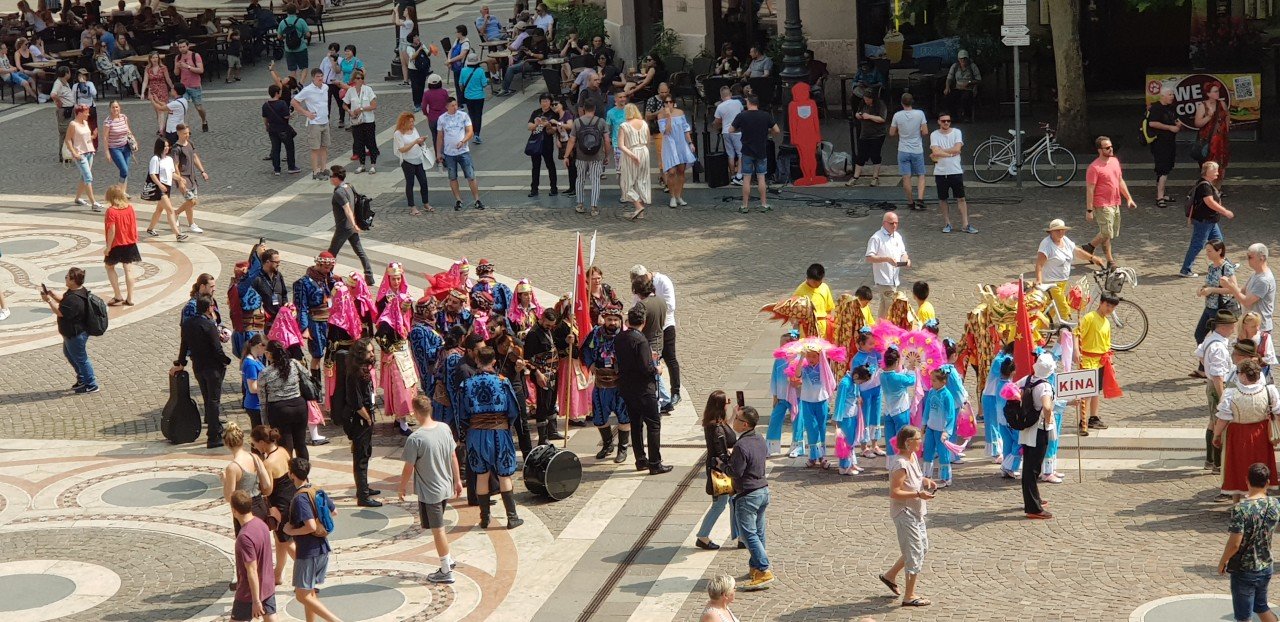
(1024, 339)
(581, 302)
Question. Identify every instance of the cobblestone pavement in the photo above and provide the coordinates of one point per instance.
(1121, 538)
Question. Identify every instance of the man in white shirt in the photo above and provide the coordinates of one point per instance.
(887, 254)
(1035, 439)
(1215, 354)
(665, 289)
(910, 126)
(175, 111)
(945, 145)
(312, 102)
(726, 111)
(453, 141)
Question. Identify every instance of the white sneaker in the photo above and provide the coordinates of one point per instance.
(81, 202)
(797, 451)
(774, 447)
(4, 314)
(682, 202)
(98, 207)
(360, 169)
(372, 170)
(195, 229)
(674, 202)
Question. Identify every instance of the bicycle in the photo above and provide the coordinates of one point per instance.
(1052, 164)
(1128, 320)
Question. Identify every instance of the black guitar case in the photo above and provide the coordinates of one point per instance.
(180, 422)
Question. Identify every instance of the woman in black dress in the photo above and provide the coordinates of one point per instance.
(720, 438)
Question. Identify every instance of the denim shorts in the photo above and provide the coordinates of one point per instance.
(195, 95)
(910, 163)
(85, 164)
(754, 166)
(308, 572)
(452, 162)
(1249, 593)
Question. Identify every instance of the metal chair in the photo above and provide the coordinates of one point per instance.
(581, 60)
(674, 63)
(552, 79)
(701, 66)
(764, 88)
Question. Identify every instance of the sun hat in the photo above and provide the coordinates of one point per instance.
(1057, 225)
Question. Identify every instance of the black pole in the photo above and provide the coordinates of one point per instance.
(794, 70)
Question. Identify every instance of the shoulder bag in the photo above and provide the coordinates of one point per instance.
(289, 132)
(305, 385)
(1200, 148)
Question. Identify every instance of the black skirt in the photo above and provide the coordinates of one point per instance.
(123, 254)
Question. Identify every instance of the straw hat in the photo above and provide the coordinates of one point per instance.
(1057, 225)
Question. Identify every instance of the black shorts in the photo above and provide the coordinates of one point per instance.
(949, 186)
(431, 515)
(123, 254)
(242, 610)
(869, 150)
(1165, 153)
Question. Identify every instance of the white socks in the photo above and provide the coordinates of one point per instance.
(315, 432)
(446, 563)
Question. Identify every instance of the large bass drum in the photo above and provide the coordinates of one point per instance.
(552, 473)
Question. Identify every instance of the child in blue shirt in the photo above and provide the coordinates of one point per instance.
(848, 415)
(816, 385)
(955, 384)
(895, 393)
(778, 389)
(939, 418)
(993, 405)
(869, 391)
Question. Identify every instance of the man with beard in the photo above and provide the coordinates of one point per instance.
(486, 282)
(311, 297)
(663, 287)
(454, 313)
(358, 399)
(425, 344)
(270, 285)
(598, 354)
(541, 348)
(512, 367)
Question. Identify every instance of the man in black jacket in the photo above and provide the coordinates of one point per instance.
(543, 347)
(270, 285)
(638, 384)
(203, 341)
(358, 399)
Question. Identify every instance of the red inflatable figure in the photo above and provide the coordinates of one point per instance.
(802, 114)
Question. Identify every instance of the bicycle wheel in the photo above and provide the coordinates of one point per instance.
(1128, 326)
(991, 160)
(1054, 167)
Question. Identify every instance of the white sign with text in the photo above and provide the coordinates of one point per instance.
(1077, 384)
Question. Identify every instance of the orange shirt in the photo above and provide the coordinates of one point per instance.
(126, 224)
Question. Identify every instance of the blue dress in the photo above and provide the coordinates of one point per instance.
(675, 146)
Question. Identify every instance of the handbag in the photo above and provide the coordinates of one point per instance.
(133, 143)
(428, 156)
(305, 385)
(1200, 148)
(721, 483)
(1274, 424)
(150, 191)
(533, 147)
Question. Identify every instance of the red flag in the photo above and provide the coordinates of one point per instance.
(581, 302)
(1024, 339)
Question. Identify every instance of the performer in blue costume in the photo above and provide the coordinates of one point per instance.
(939, 419)
(487, 412)
(485, 281)
(311, 295)
(816, 388)
(895, 389)
(955, 385)
(448, 377)
(255, 317)
(1010, 449)
(454, 313)
(425, 345)
(848, 416)
(597, 354)
(993, 406)
(872, 430)
(779, 385)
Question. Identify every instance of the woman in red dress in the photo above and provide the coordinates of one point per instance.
(1214, 121)
(1244, 415)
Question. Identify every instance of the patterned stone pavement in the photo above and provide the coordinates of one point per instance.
(125, 501)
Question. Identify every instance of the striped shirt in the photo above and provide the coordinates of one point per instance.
(117, 131)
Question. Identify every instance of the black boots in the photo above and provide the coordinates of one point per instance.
(624, 436)
(606, 435)
(508, 502)
(318, 381)
(553, 430)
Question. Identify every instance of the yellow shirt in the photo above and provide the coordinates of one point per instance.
(1094, 334)
(925, 312)
(823, 303)
(867, 318)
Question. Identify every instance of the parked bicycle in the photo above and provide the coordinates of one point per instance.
(1128, 320)
(1052, 164)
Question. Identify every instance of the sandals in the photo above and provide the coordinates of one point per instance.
(115, 302)
(893, 587)
(917, 602)
(636, 215)
(1162, 202)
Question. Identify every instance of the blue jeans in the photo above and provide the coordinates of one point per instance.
(122, 156)
(1201, 232)
(516, 68)
(748, 513)
(717, 508)
(1249, 593)
(463, 160)
(77, 353)
(85, 165)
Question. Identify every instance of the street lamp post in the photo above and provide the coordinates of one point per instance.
(794, 70)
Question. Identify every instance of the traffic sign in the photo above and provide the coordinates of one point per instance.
(1014, 31)
(1015, 14)
(1017, 41)
(1079, 383)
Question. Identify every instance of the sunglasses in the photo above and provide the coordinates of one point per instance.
(944, 120)
(1107, 148)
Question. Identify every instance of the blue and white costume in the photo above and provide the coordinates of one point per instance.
(959, 395)
(425, 344)
(463, 319)
(311, 297)
(814, 396)
(779, 386)
(848, 417)
(939, 418)
(870, 392)
(993, 411)
(895, 393)
(487, 412)
(597, 352)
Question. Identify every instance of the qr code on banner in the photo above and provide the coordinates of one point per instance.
(1244, 87)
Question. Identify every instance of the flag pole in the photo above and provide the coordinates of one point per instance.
(567, 383)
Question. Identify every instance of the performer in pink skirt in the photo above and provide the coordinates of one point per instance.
(397, 377)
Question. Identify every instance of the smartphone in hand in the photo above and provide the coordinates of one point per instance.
(902, 264)
(741, 400)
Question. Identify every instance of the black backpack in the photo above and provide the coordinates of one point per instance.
(1023, 413)
(590, 138)
(363, 208)
(1191, 198)
(422, 61)
(293, 38)
(95, 315)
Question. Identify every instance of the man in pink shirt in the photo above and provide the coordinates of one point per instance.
(190, 66)
(1103, 193)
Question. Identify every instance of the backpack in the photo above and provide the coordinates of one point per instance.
(1145, 135)
(422, 61)
(293, 38)
(363, 207)
(1023, 413)
(590, 138)
(320, 502)
(95, 317)
(1190, 205)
